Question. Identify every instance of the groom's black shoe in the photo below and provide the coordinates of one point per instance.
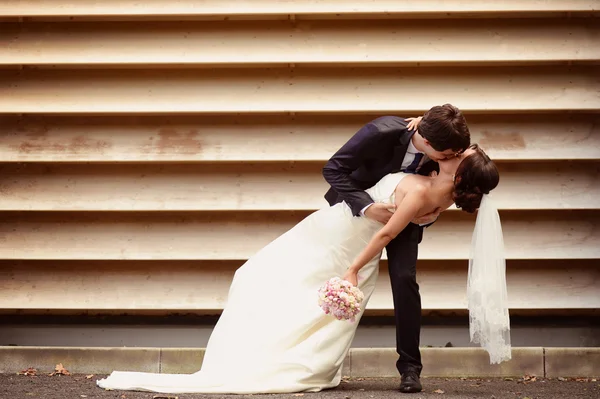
(410, 382)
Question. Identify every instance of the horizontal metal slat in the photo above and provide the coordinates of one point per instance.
(279, 42)
(260, 186)
(238, 235)
(269, 7)
(318, 90)
(183, 138)
(173, 287)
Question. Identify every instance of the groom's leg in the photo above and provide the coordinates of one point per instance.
(402, 260)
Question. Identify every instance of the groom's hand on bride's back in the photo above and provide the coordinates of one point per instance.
(380, 212)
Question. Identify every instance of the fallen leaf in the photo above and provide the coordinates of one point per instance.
(438, 391)
(463, 378)
(89, 376)
(508, 379)
(59, 370)
(562, 379)
(29, 371)
(581, 379)
(594, 380)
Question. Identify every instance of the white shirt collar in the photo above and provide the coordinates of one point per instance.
(411, 148)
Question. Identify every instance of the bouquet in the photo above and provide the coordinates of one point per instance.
(341, 299)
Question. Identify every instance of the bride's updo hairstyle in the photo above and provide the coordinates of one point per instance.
(476, 175)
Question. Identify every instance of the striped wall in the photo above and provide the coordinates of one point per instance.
(148, 148)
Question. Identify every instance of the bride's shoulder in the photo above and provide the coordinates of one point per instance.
(414, 184)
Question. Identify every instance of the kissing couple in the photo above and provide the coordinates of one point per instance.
(388, 182)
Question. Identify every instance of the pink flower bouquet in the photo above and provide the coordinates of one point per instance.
(341, 299)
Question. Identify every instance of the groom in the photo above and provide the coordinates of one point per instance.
(386, 145)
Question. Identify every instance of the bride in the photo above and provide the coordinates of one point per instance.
(272, 336)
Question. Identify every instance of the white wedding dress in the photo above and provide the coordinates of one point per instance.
(272, 336)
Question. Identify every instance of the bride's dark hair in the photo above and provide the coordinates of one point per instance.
(476, 175)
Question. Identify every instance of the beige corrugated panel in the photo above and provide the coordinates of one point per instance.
(143, 160)
(266, 7)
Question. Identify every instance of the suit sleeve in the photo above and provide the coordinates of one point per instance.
(360, 148)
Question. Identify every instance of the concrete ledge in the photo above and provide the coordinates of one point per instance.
(181, 360)
(572, 362)
(361, 362)
(449, 362)
(347, 366)
(373, 362)
(79, 360)
(475, 362)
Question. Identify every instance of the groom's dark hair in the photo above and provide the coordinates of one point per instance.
(445, 127)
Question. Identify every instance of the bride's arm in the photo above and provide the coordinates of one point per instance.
(407, 209)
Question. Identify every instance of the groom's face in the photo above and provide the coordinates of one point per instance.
(438, 156)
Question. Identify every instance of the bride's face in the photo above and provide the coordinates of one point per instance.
(449, 166)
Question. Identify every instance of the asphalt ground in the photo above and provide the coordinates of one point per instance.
(43, 386)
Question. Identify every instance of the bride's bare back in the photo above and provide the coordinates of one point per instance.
(436, 192)
(433, 197)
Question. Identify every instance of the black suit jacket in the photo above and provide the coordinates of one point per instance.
(376, 150)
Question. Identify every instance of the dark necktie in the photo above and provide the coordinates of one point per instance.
(412, 168)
